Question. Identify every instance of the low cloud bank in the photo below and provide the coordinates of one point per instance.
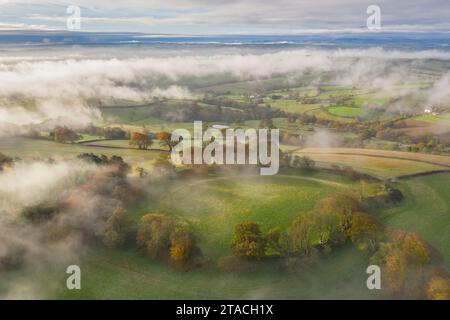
(33, 91)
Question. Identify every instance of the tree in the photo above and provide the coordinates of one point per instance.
(165, 139)
(248, 240)
(183, 247)
(142, 172)
(122, 168)
(4, 160)
(13, 253)
(118, 229)
(142, 141)
(267, 123)
(273, 247)
(300, 235)
(364, 231)
(438, 288)
(163, 166)
(64, 135)
(365, 134)
(342, 205)
(39, 213)
(416, 249)
(402, 261)
(394, 271)
(328, 227)
(153, 235)
(304, 162)
(114, 133)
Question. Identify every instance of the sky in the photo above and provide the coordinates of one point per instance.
(227, 17)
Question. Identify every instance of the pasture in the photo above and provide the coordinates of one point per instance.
(425, 211)
(441, 119)
(212, 206)
(26, 148)
(111, 274)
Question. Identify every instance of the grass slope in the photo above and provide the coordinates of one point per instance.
(425, 211)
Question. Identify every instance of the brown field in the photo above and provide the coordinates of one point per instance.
(379, 163)
(414, 127)
(422, 157)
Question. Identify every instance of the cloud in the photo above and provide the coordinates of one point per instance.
(22, 26)
(206, 16)
(30, 183)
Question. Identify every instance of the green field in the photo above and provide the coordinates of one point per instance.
(293, 106)
(212, 206)
(323, 114)
(345, 112)
(443, 119)
(26, 148)
(129, 275)
(425, 211)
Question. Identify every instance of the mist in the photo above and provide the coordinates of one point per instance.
(31, 250)
(68, 86)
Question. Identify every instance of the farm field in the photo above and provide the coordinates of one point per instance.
(293, 106)
(380, 163)
(425, 157)
(328, 116)
(26, 148)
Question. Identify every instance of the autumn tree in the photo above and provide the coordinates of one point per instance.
(141, 140)
(300, 235)
(165, 139)
(416, 249)
(328, 228)
(183, 248)
(273, 246)
(394, 271)
(118, 229)
(364, 231)
(341, 205)
(153, 235)
(4, 161)
(438, 288)
(248, 240)
(403, 258)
